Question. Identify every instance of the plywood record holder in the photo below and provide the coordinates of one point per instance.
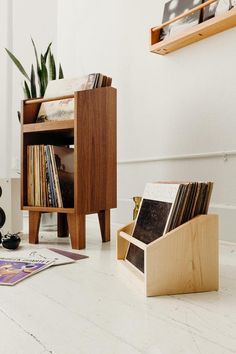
(185, 260)
(196, 33)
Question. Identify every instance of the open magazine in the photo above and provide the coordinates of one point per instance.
(17, 266)
(13, 271)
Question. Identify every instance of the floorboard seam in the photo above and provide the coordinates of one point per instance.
(26, 331)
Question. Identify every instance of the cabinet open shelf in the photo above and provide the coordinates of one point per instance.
(49, 209)
(47, 99)
(48, 126)
(92, 133)
(196, 33)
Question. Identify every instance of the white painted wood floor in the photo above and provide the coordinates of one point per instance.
(89, 307)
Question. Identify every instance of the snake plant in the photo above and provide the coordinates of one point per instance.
(45, 71)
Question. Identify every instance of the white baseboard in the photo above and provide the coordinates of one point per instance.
(123, 215)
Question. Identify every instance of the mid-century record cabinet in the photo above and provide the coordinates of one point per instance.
(93, 134)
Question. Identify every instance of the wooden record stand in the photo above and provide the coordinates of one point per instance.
(93, 134)
(185, 260)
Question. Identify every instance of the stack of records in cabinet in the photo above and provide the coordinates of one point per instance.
(50, 176)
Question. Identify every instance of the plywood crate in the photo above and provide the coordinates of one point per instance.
(185, 260)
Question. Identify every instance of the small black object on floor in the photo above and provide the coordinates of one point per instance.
(10, 241)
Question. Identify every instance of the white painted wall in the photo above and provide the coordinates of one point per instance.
(183, 103)
(30, 18)
(19, 21)
(4, 87)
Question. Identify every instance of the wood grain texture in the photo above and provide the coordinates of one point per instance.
(47, 99)
(29, 113)
(96, 150)
(104, 222)
(25, 141)
(122, 242)
(50, 209)
(34, 224)
(184, 260)
(48, 126)
(196, 33)
(133, 240)
(76, 224)
(93, 133)
(23, 162)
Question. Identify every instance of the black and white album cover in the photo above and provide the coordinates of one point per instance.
(209, 11)
(175, 8)
(217, 8)
(153, 218)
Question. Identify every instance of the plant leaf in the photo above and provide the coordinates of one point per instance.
(44, 73)
(61, 75)
(18, 64)
(32, 83)
(26, 90)
(36, 55)
(39, 71)
(19, 116)
(40, 82)
(52, 67)
(47, 51)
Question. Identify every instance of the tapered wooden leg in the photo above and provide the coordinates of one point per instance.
(34, 223)
(104, 221)
(62, 225)
(76, 223)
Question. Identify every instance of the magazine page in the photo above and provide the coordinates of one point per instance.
(39, 254)
(46, 254)
(69, 254)
(14, 271)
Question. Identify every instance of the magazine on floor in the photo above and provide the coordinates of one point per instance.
(17, 266)
(36, 254)
(12, 271)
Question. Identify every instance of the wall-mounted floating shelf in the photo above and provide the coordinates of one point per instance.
(196, 33)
